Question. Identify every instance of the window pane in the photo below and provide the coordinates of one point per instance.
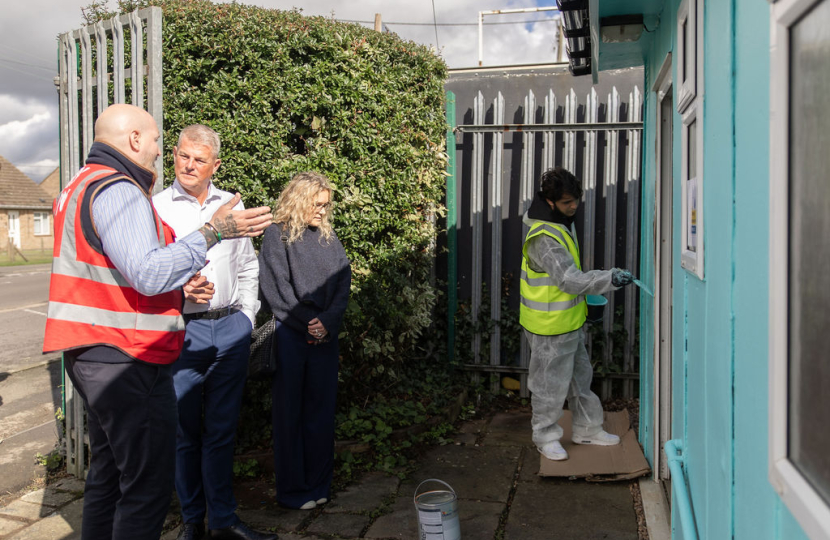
(691, 146)
(809, 250)
(41, 223)
(684, 62)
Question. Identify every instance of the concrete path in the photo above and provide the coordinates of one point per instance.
(492, 467)
(28, 426)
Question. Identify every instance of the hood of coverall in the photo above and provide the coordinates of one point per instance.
(540, 210)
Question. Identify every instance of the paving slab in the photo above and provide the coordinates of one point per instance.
(345, 525)
(274, 517)
(65, 524)
(530, 465)
(401, 522)
(72, 484)
(576, 510)
(465, 439)
(25, 510)
(509, 429)
(475, 472)
(8, 526)
(474, 427)
(48, 497)
(367, 494)
(479, 520)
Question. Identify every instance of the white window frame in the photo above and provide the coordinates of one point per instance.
(44, 223)
(690, 106)
(805, 503)
(686, 88)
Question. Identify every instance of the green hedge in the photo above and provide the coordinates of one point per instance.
(289, 93)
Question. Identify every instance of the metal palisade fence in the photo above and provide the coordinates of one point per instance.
(113, 61)
(492, 179)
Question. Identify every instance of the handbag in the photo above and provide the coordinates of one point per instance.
(263, 360)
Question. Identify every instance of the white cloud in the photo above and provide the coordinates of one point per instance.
(19, 108)
(504, 44)
(29, 135)
(28, 50)
(17, 129)
(39, 170)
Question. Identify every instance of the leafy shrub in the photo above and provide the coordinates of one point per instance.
(289, 93)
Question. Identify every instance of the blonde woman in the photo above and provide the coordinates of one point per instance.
(304, 278)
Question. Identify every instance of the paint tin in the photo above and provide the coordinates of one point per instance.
(437, 513)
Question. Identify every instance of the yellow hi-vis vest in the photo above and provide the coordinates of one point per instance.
(545, 309)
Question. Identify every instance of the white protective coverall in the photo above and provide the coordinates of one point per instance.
(559, 365)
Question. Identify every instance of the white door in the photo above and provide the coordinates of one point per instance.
(663, 270)
(14, 227)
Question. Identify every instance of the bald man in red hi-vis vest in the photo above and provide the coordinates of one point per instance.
(115, 301)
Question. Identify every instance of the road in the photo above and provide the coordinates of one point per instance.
(30, 382)
(24, 291)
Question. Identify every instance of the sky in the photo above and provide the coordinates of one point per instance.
(28, 53)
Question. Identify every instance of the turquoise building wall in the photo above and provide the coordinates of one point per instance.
(720, 339)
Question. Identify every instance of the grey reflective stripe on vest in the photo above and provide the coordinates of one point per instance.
(115, 319)
(99, 274)
(552, 306)
(67, 264)
(552, 230)
(68, 249)
(545, 281)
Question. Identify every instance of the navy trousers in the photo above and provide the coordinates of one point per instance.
(209, 378)
(304, 396)
(131, 417)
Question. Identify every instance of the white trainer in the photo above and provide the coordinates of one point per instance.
(322, 501)
(553, 450)
(601, 438)
(310, 505)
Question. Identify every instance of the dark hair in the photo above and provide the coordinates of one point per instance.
(558, 182)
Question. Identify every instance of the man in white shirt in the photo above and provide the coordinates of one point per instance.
(209, 376)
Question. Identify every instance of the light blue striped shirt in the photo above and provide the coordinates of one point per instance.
(124, 222)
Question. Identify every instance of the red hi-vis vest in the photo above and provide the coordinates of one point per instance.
(90, 301)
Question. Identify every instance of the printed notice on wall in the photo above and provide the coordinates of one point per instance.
(691, 215)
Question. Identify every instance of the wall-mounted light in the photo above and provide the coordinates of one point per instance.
(576, 23)
(621, 28)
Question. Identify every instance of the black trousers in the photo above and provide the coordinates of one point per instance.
(131, 417)
(304, 394)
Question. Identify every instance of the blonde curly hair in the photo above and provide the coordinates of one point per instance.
(296, 203)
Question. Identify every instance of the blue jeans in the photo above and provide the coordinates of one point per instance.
(209, 378)
(304, 394)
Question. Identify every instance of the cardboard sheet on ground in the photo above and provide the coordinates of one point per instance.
(599, 463)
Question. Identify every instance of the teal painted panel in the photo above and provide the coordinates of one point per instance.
(710, 327)
(658, 45)
(720, 392)
(647, 384)
(697, 440)
(759, 513)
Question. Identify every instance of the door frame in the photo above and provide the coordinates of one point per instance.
(14, 234)
(663, 220)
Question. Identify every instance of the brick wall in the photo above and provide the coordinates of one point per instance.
(28, 239)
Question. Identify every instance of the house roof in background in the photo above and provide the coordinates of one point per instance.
(52, 183)
(18, 191)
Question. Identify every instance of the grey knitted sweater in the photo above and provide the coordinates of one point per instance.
(307, 279)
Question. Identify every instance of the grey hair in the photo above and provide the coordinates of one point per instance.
(201, 134)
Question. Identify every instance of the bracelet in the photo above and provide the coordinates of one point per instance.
(215, 231)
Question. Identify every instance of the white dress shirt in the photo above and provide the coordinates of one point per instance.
(232, 268)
